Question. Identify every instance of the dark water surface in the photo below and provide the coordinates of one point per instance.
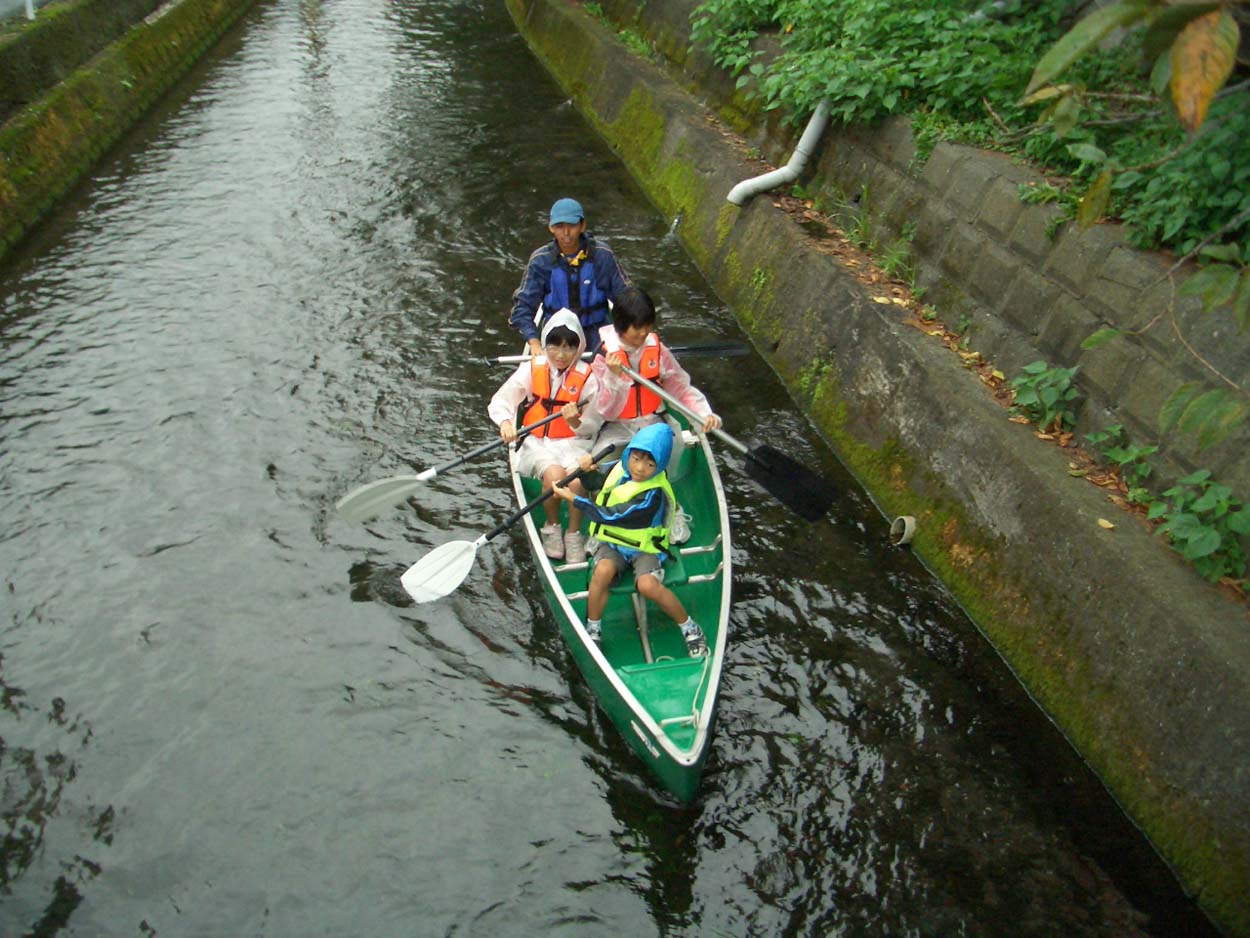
(221, 715)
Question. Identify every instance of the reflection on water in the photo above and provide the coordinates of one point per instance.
(222, 715)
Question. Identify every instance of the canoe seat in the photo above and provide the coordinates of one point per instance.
(670, 688)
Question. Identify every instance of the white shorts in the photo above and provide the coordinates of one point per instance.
(536, 456)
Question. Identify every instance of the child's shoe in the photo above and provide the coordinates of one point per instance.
(679, 530)
(553, 540)
(595, 631)
(696, 641)
(574, 545)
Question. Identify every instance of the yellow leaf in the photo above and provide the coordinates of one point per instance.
(1093, 204)
(998, 374)
(881, 299)
(1105, 524)
(899, 301)
(1202, 59)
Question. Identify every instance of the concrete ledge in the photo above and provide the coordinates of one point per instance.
(48, 146)
(36, 55)
(1143, 665)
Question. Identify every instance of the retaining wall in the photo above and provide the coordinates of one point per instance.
(47, 145)
(1144, 666)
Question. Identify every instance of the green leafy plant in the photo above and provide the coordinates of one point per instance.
(1165, 150)
(1039, 193)
(897, 259)
(1204, 523)
(1210, 413)
(1128, 457)
(636, 43)
(1046, 395)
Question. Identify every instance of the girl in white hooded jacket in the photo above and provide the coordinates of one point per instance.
(557, 380)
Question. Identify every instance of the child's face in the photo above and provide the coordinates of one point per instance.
(561, 355)
(641, 465)
(634, 336)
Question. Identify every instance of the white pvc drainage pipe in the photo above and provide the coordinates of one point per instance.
(742, 192)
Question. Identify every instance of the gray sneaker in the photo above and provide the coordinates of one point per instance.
(696, 641)
(574, 546)
(595, 631)
(553, 541)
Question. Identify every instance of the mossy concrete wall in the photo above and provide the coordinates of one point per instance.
(47, 145)
(1144, 666)
(36, 55)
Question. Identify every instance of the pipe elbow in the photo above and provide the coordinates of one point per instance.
(743, 191)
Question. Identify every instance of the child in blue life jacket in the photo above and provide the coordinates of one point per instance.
(574, 270)
(556, 380)
(624, 406)
(631, 517)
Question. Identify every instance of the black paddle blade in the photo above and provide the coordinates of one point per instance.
(803, 491)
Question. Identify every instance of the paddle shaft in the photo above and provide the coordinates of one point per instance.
(520, 434)
(367, 500)
(538, 500)
(803, 491)
(706, 348)
(696, 422)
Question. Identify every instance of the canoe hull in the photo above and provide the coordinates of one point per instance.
(661, 701)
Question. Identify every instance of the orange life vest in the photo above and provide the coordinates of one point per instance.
(643, 401)
(543, 403)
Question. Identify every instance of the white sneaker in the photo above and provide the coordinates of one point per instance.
(696, 642)
(574, 545)
(595, 631)
(679, 530)
(553, 540)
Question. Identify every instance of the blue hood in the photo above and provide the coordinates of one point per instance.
(657, 440)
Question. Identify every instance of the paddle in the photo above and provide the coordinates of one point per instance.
(444, 568)
(702, 350)
(364, 502)
(806, 493)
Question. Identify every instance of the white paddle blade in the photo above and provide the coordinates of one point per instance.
(440, 571)
(375, 497)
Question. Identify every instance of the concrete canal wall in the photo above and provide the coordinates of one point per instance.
(78, 77)
(1144, 666)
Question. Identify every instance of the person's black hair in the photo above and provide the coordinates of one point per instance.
(562, 335)
(632, 307)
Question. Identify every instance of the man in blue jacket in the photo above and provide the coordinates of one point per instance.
(573, 271)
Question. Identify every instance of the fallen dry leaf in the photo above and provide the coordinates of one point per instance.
(1105, 524)
(881, 299)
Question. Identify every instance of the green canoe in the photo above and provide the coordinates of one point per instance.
(662, 701)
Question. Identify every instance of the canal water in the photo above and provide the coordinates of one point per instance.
(221, 714)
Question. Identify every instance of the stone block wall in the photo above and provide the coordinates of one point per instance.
(986, 258)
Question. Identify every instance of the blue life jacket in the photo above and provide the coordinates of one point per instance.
(588, 302)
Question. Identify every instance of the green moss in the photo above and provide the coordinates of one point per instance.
(52, 142)
(726, 218)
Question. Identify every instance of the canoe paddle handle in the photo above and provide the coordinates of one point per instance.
(695, 422)
(700, 350)
(538, 500)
